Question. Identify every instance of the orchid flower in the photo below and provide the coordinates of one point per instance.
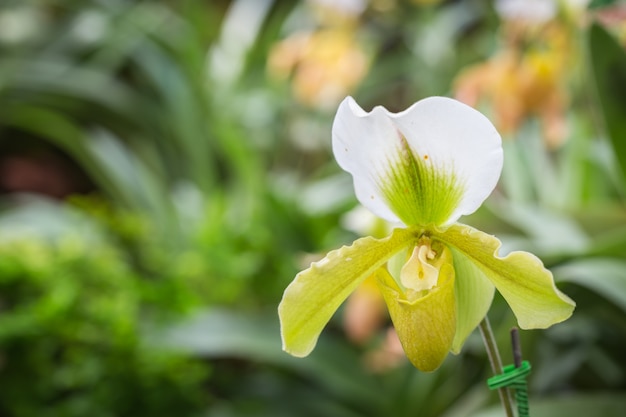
(424, 168)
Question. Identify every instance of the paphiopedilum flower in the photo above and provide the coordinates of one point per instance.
(424, 167)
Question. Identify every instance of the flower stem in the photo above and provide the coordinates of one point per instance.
(496, 363)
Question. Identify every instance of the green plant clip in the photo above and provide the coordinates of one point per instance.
(515, 378)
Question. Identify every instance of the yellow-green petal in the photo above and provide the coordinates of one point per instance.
(474, 294)
(520, 277)
(425, 326)
(315, 294)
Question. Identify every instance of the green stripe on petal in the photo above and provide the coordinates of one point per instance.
(425, 326)
(474, 294)
(521, 278)
(315, 294)
(455, 137)
(417, 191)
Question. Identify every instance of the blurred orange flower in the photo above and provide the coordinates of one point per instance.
(527, 77)
(365, 312)
(365, 315)
(388, 356)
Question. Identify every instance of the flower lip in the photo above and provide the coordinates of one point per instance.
(429, 164)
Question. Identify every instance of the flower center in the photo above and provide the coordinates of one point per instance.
(418, 273)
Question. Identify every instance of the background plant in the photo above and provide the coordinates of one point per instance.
(191, 177)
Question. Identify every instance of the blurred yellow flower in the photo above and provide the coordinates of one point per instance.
(517, 87)
(527, 78)
(325, 65)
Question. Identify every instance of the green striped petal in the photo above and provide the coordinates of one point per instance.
(315, 294)
(428, 165)
(526, 285)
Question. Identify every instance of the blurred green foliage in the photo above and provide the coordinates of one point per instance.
(70, 335)
(191, 179)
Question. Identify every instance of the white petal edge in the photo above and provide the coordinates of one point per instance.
(361, 146)
(453, 135)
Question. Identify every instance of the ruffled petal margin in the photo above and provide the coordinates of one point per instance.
(526, 285)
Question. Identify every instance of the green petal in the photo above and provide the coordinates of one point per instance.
(425, 326)
(520, 277)
(474, 294)
(315, 294)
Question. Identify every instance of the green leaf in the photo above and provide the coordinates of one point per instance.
(551, 232)
(608, 61)
(315, 294)
(217, 333)
(605, 276)
(474, 294)
(520, 277)
(425, 326)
